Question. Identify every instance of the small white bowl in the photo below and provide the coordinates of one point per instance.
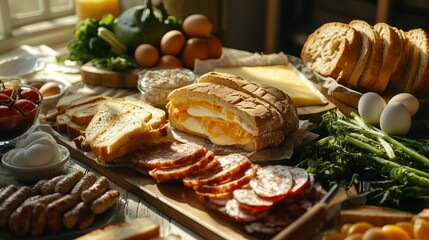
(21, 66)
(49, 102)
(33, 174)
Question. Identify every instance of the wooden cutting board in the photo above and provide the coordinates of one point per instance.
(106, 78)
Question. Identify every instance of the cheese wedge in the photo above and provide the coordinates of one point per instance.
(283, 77)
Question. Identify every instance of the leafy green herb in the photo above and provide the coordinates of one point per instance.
(88, 45)
(352, 151)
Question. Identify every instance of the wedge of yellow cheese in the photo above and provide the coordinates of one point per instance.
(301, 90)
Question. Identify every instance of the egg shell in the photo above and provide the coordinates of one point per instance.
(409, 101)
(215, 46)
(195, 48)
(172, 42)
(32, 137)
(169, 61)
(39, 155)
(50, 89)
(197, 25)
(18, 158)
(146, 55)
(395, 119)
(370, 107)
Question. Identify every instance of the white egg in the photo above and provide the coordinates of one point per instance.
(395, 119)
(33, 137)
(39, 155)
(18, 158)
(370, 107)
(409, 101)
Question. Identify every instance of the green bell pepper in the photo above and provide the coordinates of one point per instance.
(143, 24)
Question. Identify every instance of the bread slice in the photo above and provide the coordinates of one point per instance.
(367, 42)
(352, 63)
(120, 131)
(370, 73)
(156, 133)
(65, 125)
(327, 49)
(420, 84)
(271, 95)
(378, 216)
(138, 228)
(391, 45)
(403, 57)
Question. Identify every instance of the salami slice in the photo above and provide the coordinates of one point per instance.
(250, 202)
(229, 185)
(273, 182)
(229, 165)
(270, 224)
(163, 175)
(301, 180)
(167, 155)
(232, 209)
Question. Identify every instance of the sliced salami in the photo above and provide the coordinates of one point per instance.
(232, 208)
(273, 182)
(270, 224)
(229, 185)
(163, 175)
(250, 202)
(301, 180)
(167, 155)
(229, 165)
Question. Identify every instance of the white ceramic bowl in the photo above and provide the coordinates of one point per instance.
(21, 66)
(49, 102)
(33, 174)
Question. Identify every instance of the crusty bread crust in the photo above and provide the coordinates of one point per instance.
(365, 52)
(374, 61)
(391, 43)
(260, 116)
(327, 49)
(420, 39)
(271, 95)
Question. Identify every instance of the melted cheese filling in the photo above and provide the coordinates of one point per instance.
(220, 126)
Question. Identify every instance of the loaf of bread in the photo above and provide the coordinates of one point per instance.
(388, 60)
(231, 111)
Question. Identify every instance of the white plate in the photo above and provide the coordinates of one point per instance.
(21, 66)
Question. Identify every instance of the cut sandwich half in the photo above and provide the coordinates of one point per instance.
(226, 116)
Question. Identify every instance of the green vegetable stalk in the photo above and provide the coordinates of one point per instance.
(354, 151)
(143, 24)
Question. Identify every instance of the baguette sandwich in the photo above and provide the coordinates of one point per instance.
(231, 111)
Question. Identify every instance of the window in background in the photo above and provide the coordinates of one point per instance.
(24, 21)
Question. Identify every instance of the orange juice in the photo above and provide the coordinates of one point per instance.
(95, 8)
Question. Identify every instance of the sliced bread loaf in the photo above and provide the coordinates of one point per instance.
(391, 48)
(420, 40)
(366, 50)
(327, 49)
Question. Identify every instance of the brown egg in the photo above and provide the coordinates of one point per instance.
(195, 48)
(215, 46)
(146, 55)
(169, 61)
(172, 42)
(197, 25)
(50, 89)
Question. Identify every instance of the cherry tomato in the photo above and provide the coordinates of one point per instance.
(8, 118)
(4, 98)
(24, 105)
(9, 92)
(31, 95)
(376, 233)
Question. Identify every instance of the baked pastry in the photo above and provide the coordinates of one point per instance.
(231, 111)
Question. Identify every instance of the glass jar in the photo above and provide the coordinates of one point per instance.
(156, 83)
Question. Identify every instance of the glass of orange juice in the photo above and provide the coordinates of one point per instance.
(95, 8)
